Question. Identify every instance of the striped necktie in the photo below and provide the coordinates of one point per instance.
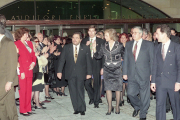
(134, 51)
(75, 54)
(91, 48)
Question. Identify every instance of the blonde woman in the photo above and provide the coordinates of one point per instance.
(112, 51)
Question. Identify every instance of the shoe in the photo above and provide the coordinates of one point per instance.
(59, 93)
(63, 94)
(118, 111)
(91, 101)
(96, 106)
(151, 97)
(154, 97)
(41, 103)
(112, 110)
(135, 113)
(83, 113)
(167, 110)
(31, 113)
(76, 112)
(49, 97)
(113, 99)
(121, 103)
(128, 100)
(142, 119)
(100, 100)
(46, 101)
(25, 114)
(36, 107)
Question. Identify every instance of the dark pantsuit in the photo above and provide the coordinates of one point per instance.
(141, 103)
(168, 105)
(88, 86)
(8, 109)
(25, 94)
(96, 86)
(161, 95)
(76, 90)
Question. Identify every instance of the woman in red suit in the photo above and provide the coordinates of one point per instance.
(27, 60)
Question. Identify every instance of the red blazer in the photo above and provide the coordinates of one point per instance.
(25, 58)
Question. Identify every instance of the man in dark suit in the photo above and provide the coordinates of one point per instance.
(8, 75)
(137, 68)
(97, 66)
(174, 39)
(78, 68)
(166, 73)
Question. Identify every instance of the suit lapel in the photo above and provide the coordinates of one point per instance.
(169, 51)
(71, 52)
(143, 47)
(131, 49)
(80, 52)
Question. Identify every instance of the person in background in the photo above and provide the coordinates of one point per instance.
(27, 61)
(149, 37)
(123, 38)
(94, 93)
(145, 34)
(173, 32)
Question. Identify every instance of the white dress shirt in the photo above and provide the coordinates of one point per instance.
(166, 46)
(93, 39)
(138, 47)
(77, 48)
(1, 37)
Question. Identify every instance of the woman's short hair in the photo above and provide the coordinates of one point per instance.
(126, 35)
(56, 37)
(33, 38)
(112, 34)
(20, 32)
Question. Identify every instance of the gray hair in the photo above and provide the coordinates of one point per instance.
(139, 28)
(145, 31)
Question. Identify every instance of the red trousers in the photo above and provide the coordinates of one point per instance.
(25, 94)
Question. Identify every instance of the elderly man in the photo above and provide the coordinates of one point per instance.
(137, 68)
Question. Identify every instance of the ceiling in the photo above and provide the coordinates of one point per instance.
(142, 8)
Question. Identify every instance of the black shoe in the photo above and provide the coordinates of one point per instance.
(135, 113)
(167, 110)
(91, 101)
(112, 110)
(76, 112)
(128, 100)
(83, 113)
(31, 113)
(154, 97)
(100, 100)
(96, 106)
(41, 104)
(25, 114)
(63, 94)
(121, 103)
(49, 97)
(142, 119)
(36, 107)
(118, 112)
(151, 97)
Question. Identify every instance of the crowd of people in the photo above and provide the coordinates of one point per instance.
(104, 62)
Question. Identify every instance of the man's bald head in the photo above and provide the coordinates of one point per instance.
(39, 36)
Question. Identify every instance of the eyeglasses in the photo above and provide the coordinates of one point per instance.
(36, 41)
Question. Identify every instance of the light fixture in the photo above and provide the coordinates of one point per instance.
(48, 10)
(107, 4)
(47, 13)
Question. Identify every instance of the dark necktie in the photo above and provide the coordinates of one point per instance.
(162, 52)
(134, 51)
(75, 54)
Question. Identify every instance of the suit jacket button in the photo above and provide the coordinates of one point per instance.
(162, 73)
(168, 72)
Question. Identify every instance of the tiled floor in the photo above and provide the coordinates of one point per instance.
(61, 109)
